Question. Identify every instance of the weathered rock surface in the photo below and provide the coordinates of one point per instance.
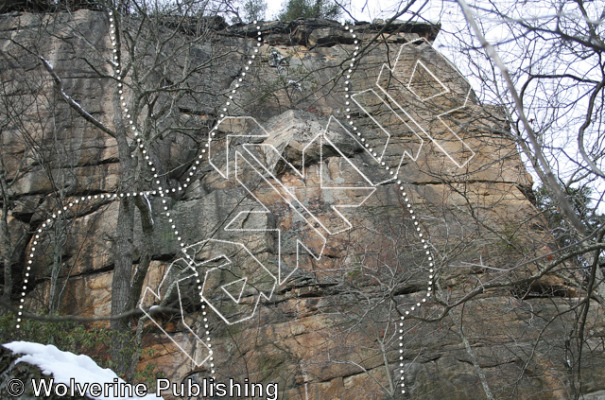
(331, 330)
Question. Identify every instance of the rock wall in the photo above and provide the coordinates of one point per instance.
(331, 329)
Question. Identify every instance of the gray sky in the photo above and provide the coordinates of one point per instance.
(361, 9)
(454, 27)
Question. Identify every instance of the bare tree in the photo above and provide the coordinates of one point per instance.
(158, 65)
(154, 70)
(555, 112)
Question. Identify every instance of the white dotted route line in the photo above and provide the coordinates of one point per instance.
(425, 243)
(161, 192)
(192, 172)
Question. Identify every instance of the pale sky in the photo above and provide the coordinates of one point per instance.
(454, 27)
(361, 9)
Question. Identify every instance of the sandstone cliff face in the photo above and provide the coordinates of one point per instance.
(328, 327)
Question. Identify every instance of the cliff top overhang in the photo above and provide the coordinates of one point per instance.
(300, 31)
(296, 32)
(308, 25)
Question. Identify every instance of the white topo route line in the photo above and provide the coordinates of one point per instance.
(241, 274)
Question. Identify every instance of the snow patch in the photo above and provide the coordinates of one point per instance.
(63, 366)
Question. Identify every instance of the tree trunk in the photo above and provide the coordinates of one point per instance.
(124, 247)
